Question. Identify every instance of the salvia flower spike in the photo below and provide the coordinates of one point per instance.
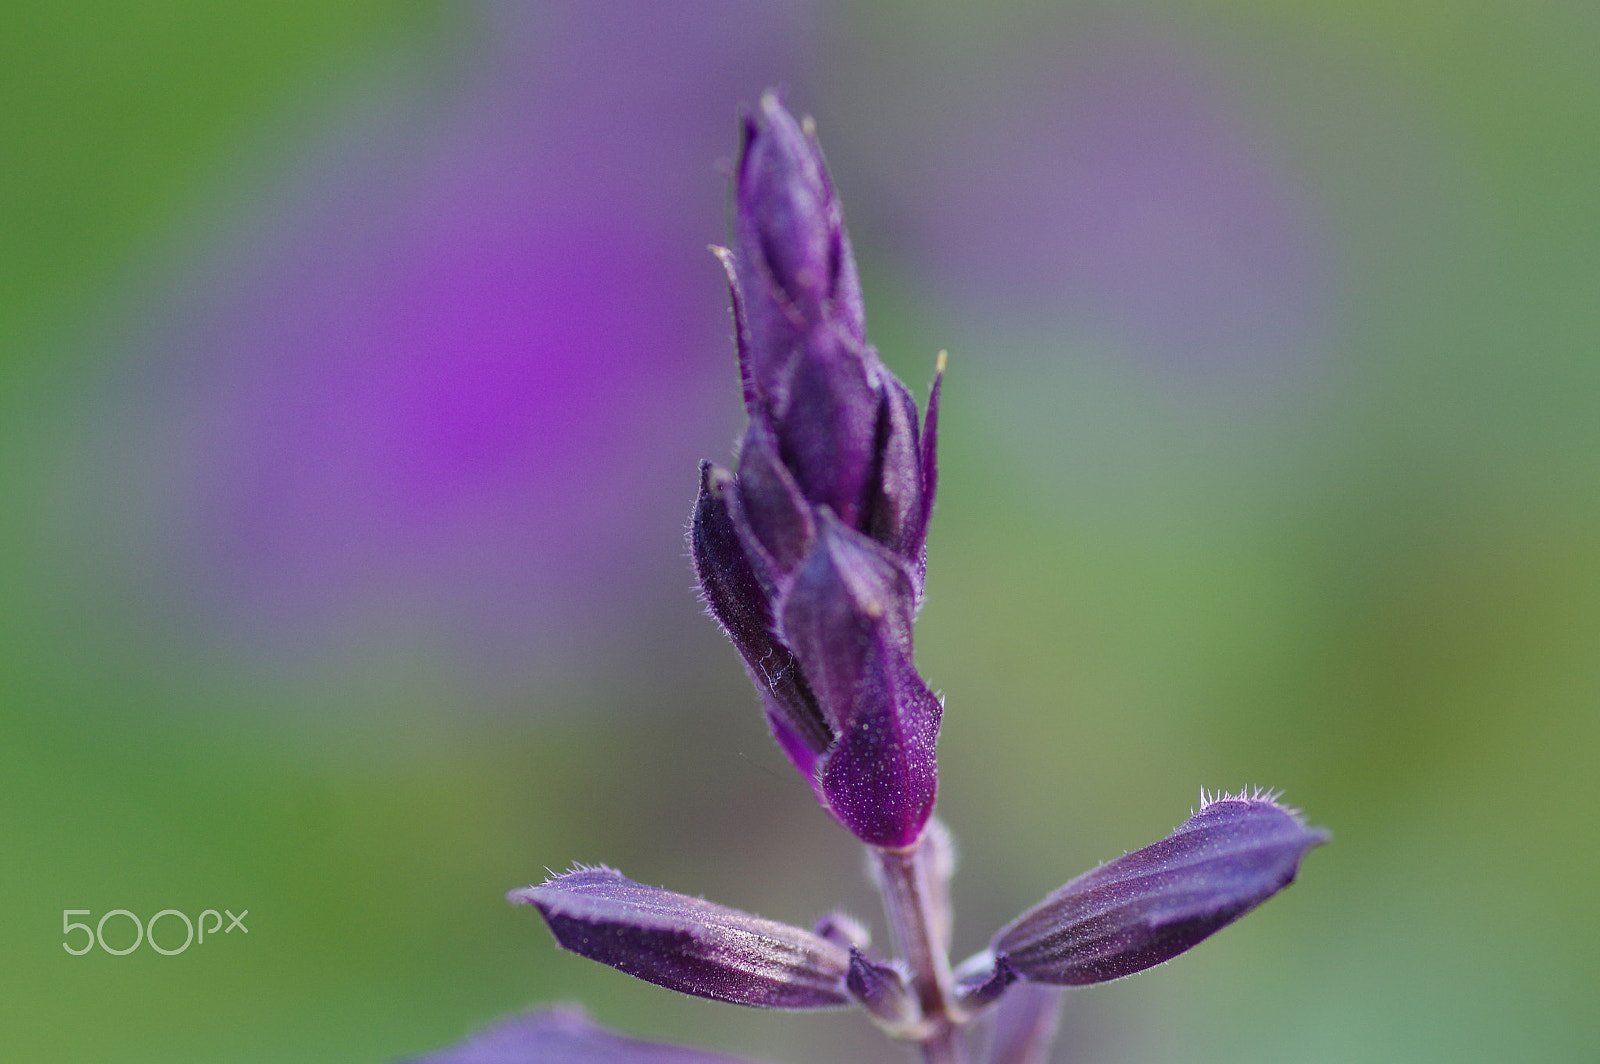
(811, 553)
(689, 944)
(1148, 906)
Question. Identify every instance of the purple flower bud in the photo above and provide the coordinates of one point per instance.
(812, 555)
(1150, 905)
(829, 424)
(688, 944)
(882, 989)
(847, 617)
(793, 260)
(562, 1036)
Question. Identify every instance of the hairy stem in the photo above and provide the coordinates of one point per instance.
(915, 896)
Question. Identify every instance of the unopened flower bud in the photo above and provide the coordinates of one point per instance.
(688, 944)
(1150, 905)
(847, 618)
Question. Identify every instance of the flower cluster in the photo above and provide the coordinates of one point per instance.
(810, 554)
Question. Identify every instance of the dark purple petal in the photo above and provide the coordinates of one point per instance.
(738, 601)
(1024, 1025)
(689, 944)
(562, 1035)
(1150, 905)
(883, 991)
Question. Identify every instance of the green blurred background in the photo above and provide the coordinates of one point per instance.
(356, 359)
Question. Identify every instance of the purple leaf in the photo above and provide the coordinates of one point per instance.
(1150, 905)
(688, 944)
(562, 1035)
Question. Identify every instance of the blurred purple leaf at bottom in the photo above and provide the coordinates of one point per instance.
(1023, 1027)
(562, 1035)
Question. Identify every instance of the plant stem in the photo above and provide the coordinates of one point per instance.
(915, 896)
